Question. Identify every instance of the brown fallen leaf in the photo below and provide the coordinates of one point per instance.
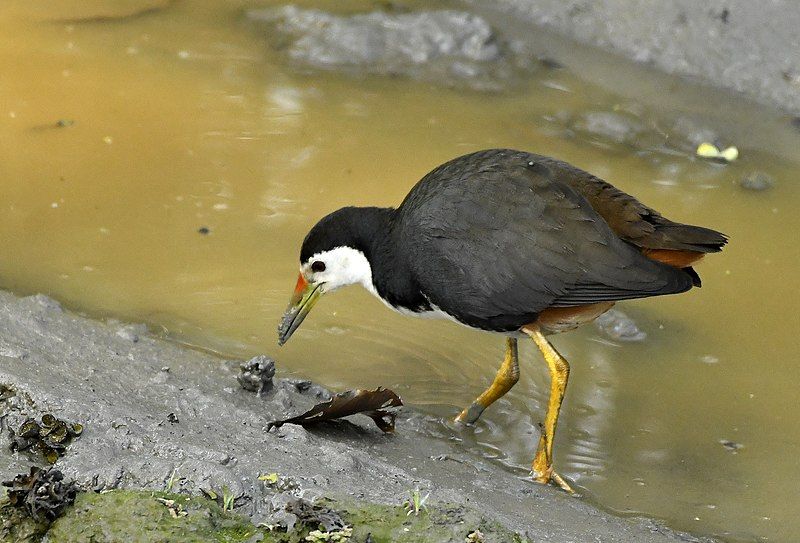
(380, 405)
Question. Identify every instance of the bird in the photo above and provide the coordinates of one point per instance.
(510, 242)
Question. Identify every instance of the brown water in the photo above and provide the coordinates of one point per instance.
(184, 118)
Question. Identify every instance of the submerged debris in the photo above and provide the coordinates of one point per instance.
(693, 132)
(616, 127)
(43, 493)
(757, 181)
(731, 446)
(380, 405)
(617, 325)
(256, 374)
(60, 123)
(445, 46)
(49, 437)
(122, 13)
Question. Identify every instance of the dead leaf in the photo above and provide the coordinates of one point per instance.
(380, 405)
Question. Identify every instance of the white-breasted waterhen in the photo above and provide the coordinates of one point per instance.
(510, 242)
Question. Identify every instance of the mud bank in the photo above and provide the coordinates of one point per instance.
(158, 416)
(749, 47)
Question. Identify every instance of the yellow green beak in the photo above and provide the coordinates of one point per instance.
(305, 296)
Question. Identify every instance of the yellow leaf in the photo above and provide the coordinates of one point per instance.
(270, 478)
(707, 150)
(730, 154)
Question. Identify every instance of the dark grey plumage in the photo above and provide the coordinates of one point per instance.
(495, 237)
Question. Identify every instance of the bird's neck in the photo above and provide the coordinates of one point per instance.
(392, 279)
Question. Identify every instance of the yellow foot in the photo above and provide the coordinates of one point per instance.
(549, 476)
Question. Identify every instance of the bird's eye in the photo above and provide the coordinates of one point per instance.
(318, 266)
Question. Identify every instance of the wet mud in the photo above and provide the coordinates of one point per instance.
(163, 418)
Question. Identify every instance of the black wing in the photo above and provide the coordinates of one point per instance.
(493, 240)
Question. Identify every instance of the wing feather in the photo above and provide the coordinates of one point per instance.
(494, 245)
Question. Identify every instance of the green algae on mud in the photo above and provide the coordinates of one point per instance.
(128, 515)
(390, 524)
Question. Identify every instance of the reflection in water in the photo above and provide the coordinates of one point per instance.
(184, 121)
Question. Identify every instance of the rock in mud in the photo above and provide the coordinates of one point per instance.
(615, 127)
(617, 325)
(450, 47)
(256, 374)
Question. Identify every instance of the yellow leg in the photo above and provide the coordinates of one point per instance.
(559, 374)
(507, 376)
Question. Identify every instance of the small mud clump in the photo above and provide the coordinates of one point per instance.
(43, 494)
(617, 127)
(256, 374)
(50, 437)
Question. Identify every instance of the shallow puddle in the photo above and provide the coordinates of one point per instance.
(164, 165)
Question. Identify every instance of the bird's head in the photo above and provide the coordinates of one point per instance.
(332, 256)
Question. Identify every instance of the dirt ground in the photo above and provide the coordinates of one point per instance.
(745, 46)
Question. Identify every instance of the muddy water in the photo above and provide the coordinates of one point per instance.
(182, 121)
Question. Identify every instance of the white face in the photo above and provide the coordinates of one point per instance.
(337, 268)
